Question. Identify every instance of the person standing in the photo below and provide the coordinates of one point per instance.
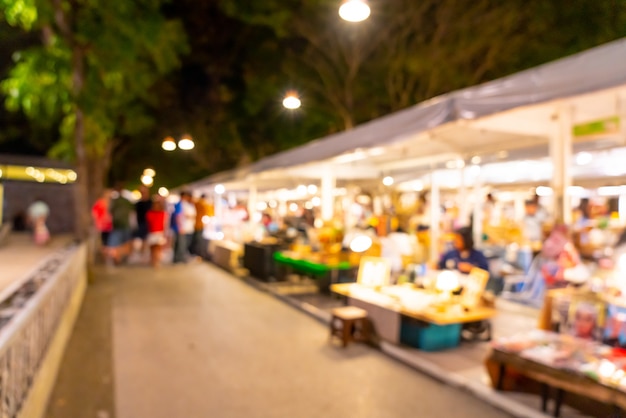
(142, 206)
(183, 225)
(38, 213)
(103, 221)
(120, 238)
(156, 224)
(198, 246)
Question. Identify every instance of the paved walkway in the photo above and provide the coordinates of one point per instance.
(193, 341)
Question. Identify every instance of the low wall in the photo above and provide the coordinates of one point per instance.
(36, 322)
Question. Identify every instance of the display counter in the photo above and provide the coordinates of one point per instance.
(567, 364)
(225, 254)
(417, 317)
(326, 271)
(258, 258)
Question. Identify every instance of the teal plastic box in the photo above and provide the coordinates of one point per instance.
(429, 337)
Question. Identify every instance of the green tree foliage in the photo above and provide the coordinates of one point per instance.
(92, 74)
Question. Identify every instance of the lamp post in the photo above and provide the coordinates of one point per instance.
(354, 10)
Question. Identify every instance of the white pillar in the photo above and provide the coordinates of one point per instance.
(435, 216)
(328, 185)
(561, 155)
(478, 212)
(219, 206)
(252, 201)
(464, 202)
(519, 205)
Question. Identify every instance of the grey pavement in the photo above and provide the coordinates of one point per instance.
(193, 341)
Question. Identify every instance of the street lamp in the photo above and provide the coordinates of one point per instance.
(354, 10)
(291, 101)
(169, 144)
(147, 180)
(186, 143)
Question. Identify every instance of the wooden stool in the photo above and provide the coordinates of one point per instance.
(349, 323)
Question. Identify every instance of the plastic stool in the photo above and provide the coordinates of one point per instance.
(349, 323)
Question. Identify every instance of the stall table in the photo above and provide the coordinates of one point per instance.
(426, 327)
(560, 379)
(258, 258)
(325, 273)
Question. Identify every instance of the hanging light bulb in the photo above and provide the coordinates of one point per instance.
(169, 144)
(354, 10)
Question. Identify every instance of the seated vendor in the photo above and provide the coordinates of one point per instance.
(463, 257)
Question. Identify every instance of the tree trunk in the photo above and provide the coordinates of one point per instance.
(81, 197)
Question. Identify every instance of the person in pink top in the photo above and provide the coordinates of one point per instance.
(156, 219)
(103, 221)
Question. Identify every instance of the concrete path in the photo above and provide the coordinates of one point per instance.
(192, 341)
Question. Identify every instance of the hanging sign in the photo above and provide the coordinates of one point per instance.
(607, 126)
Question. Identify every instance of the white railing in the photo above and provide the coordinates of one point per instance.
(29, 318)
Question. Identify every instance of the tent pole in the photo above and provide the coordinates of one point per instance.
(478, 213)
(435, 216)
(464, 206)
(328, 183)
(561, 156)
(252, 200)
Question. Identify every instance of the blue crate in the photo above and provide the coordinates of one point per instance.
(429, 337)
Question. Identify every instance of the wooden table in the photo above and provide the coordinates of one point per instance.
(431, 315)
(386, 312)
(560, 379)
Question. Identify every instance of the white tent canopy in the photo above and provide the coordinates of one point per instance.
(505, 119)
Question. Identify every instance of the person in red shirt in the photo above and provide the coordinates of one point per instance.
(156, 218)
(103, 221)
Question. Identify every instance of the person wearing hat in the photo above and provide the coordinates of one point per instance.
(463, 257)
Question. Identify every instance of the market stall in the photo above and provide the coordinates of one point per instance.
(425, 313)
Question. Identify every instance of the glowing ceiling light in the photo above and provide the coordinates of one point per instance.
(583, 158)
(301, 190)
(220, 189)
(354, 10)
(544, 191)
(361, 243)
(312, 189)
(388, 181)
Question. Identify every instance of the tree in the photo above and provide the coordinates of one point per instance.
(409, 51)
(92, 72)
